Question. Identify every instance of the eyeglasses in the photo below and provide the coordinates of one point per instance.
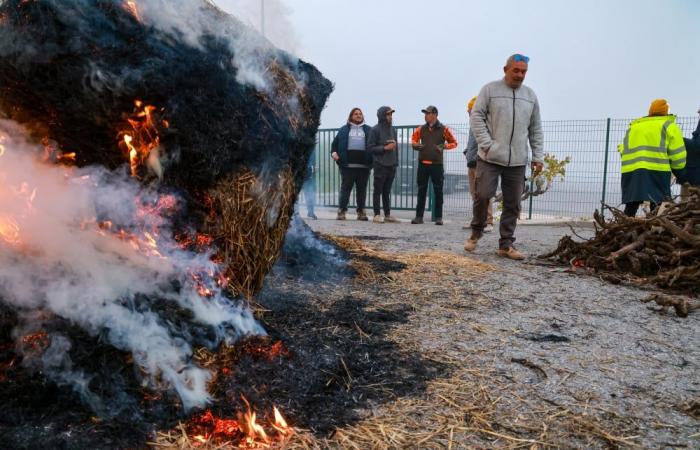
(519, 57)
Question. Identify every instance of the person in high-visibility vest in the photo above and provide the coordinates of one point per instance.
(653, 148)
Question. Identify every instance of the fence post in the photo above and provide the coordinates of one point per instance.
(532, 185)
(605, 167)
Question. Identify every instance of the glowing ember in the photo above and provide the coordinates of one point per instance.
(244, 432)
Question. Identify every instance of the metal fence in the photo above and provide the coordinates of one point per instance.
(592, 177)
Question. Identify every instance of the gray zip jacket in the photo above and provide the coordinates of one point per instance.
(503, 120)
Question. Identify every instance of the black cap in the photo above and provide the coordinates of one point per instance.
(429, 109)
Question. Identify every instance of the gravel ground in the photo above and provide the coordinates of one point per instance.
(571, 340)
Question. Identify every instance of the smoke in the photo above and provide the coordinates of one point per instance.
(59, 253)
(277, 24)
(190, 21)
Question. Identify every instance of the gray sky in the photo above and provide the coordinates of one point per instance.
(590, 59)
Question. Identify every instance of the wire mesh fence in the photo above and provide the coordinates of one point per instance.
(592, 176)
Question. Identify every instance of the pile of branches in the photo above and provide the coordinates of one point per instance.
(661, 249)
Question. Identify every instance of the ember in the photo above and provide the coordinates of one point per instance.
(244, 432)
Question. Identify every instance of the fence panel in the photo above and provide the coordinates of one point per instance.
(590, 178)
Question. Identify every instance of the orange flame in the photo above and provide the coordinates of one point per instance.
(9, 230)
(143, 140)
(132, 9)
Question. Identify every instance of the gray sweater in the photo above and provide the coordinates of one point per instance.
(503, 120)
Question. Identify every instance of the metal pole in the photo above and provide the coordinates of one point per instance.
(262, 17)
(605, 168)
(532, 186)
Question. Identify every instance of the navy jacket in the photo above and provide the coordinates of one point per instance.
(692, 166)
(340, 145)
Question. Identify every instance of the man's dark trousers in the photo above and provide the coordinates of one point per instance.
(349, 177)
(436, 174)
(512, 185)
(383, 179)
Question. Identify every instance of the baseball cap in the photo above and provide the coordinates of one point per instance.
(429, 109)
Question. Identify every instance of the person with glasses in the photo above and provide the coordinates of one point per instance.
(383, 143)
(505, 118)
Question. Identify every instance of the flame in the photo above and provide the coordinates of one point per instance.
(9, 230)
(142, 142)
(245, 432)
(132, 9)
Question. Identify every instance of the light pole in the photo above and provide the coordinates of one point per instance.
(262, 17)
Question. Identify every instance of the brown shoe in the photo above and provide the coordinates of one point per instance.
(362, 216)
(340, 215)
(391, 219)
(511, 253)
(470, 244)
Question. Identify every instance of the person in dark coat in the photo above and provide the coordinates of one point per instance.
(692, 167)
(351, 152)
(383, 143)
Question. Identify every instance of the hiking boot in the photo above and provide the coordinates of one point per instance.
(417, 220)
(438, 221)
(378, 219)
(341, 215)
(470, 244)
(510, 253)
(311, 216)
(488, 228)
(391, 219)
(362, 216)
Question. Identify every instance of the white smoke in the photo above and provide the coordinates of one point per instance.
(54, 256)
(189, 21)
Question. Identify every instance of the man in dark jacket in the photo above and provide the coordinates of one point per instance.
(430, 140)
(692, 167)
(351, 152)
(384, 148)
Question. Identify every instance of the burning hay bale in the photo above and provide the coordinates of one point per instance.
(662, 249)
(150, 156)
(185, 95)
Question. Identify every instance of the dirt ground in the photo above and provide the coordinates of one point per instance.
(529, 356)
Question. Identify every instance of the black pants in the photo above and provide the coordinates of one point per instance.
(436, 174)
(350, 177)
(512, 186)
(632, 207)
(383, 179)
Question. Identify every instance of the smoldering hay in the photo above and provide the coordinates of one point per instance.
(74, 80)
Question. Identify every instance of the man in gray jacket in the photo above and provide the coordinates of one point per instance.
(383, 144)
(505, 117)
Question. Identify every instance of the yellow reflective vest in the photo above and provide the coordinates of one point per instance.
(653, 143)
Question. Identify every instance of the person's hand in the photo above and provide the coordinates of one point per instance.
(537, 168)
(390, 146)
(335, 156)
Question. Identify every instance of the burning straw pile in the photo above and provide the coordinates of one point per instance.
(661, 249)
(186, 96)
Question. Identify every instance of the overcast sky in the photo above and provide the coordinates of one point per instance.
(590, 59)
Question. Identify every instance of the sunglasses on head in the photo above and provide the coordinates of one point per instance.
(523, 58)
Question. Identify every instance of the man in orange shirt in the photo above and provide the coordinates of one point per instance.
(430, 140)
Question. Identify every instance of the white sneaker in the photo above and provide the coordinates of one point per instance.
(378, 218)
(488, 228)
